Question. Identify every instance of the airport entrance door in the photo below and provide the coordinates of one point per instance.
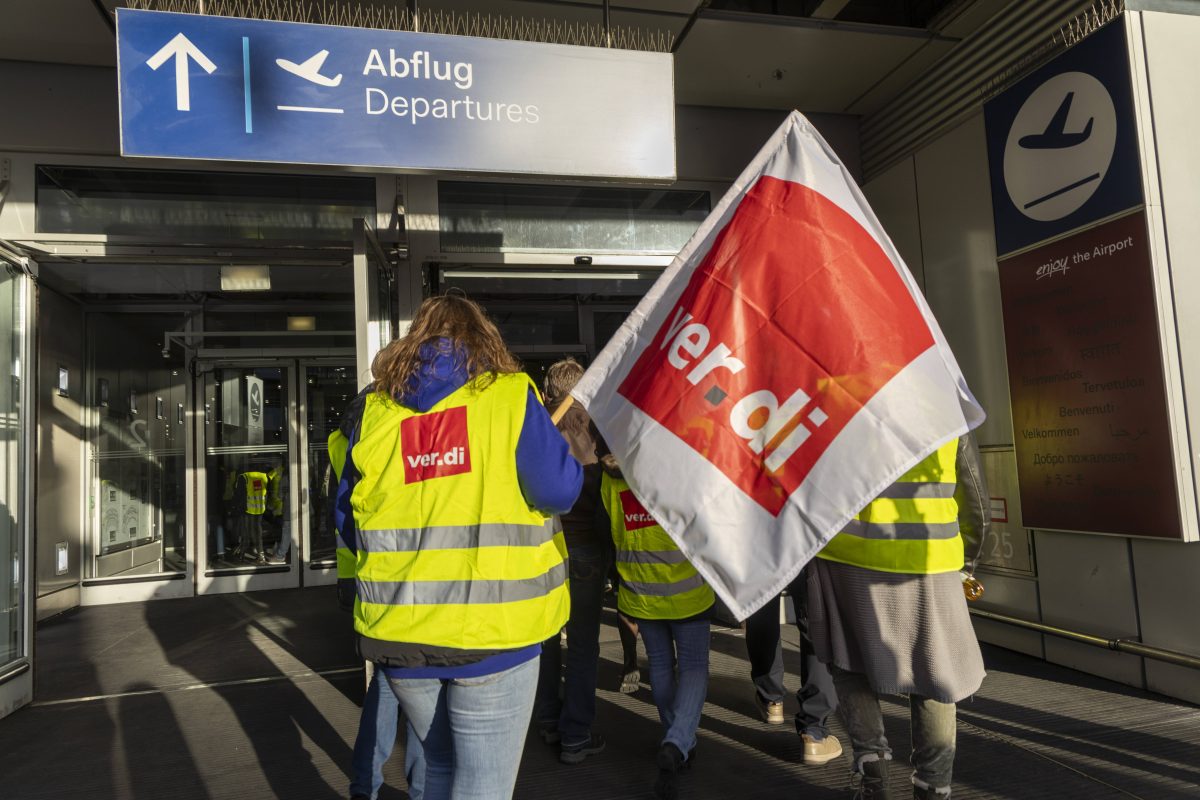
(263, 471)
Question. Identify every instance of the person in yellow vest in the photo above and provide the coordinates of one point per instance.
(888, 613)
(276, 489)
(671, 603)
(229, 534)
(379, 720)
(452, 478)
(567, 721)
(254, 485)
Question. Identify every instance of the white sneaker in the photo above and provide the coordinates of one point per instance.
(772, 712)
(820, 751)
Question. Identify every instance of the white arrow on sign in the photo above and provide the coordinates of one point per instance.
(180, 48)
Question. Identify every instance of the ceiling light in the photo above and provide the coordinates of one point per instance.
(255, 278)
(546, 274)
(301, 323)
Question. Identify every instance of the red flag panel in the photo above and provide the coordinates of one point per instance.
(789, 325)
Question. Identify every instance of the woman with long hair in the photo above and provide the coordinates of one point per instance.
(452, 477)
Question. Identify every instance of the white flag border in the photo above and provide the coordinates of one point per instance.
(650, 313)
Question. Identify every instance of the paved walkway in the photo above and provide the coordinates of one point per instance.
(254, 696)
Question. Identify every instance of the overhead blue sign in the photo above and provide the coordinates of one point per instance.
(209, 87)
(1062, 144)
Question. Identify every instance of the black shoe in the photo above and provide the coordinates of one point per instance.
(549, 734)
(576, 753)
(359, 797)
(872, 782)
(670, 763)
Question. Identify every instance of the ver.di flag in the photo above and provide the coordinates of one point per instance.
(781, 373)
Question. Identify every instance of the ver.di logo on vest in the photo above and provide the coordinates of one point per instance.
(636, 515)
(435, 445)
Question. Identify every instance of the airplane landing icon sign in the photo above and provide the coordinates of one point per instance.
(310, 69)
(1055, 137)
(1060, 146)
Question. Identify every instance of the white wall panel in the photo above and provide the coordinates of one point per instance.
(1015, 597)
(1168, 118)
(1168, 593)
(893, 198)
(60, 453)
(1086, 586)
(961, 283)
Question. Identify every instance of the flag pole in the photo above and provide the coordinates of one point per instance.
(562, 409)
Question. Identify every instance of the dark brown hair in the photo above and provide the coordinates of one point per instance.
(452, 317)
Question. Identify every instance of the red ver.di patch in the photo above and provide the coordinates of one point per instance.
(636, 516)
(435, 445)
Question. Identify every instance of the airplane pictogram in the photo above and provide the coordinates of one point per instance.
(310, 69)
(1055, 136)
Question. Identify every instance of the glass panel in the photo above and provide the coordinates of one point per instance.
(534, 325)
(214, 205)
(12, 583)
(246, 467)
(139, 510)
(327, 392)
(605, 325)
(337, 318)
(503, 217)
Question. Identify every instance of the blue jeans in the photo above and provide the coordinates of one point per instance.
(471, 730)
(816, 695)
(933, 730)
(678, 693)
(376, 737)
(573, 715)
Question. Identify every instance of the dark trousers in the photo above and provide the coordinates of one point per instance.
(574, 713)
(817, 696)
(933, 731)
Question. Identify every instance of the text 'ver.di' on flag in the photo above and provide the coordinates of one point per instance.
(781, 373)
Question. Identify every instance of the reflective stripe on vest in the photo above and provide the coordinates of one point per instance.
(657, 581)
(912, 527)
(449, 554)
(337, 460)
(256, 492)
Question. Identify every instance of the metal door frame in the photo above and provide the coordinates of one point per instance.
(313, 574)
(16, 677)
(155, 586)
(244, 579)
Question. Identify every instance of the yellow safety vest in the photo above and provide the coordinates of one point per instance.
(256, 492)
(912, 527)
(657, 581)
(337, 459)
(449, 553)
(275, 491)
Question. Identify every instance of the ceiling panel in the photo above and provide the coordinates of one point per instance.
(747, 62)
(62, 31)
